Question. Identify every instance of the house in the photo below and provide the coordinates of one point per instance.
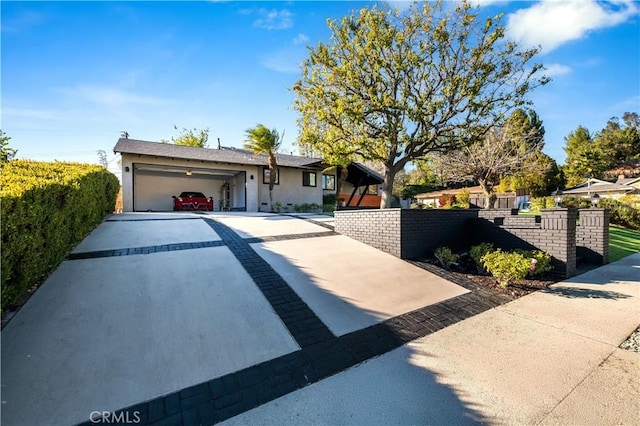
(237, 179)
(623, 186)
(476, 197)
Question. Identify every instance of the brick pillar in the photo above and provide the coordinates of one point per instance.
(593, 234)
(559, 229)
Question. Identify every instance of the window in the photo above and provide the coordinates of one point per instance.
(329, 182)
(265, 176)
(308, 178)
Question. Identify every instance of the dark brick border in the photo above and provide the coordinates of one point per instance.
(144, 250)
(227, 396)
(315, 222)
(321, 355)
(303, 324)
(152, 219)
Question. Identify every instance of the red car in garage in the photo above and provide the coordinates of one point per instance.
(190, 200)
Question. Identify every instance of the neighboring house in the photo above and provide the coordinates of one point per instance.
(476, 197)
(236, 178)
(623, 186)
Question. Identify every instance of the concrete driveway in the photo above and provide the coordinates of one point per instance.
(209, 315)
(195, 319)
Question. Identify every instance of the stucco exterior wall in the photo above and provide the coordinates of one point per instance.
(290, 191)
(154, 192)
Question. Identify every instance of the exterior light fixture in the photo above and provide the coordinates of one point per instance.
(189, 173)
(557, 197)
(594, 200)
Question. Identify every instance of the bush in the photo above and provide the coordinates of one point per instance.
(512, 267)
(46, 210)
(540, 262)
(462, 200)
(577, 202)
(540, 203)
(477, 252)
(446, 256)
(507, 267)
(621, 214)
(307, 208)
(446, 200)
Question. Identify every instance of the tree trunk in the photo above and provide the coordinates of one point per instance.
(270, 200)
(488, 193)
(273, 169)
(387, 187)
(341, 178)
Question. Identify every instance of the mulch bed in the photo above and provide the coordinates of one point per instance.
(517, 290)
(467, 270)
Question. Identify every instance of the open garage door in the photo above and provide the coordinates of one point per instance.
(154, 185)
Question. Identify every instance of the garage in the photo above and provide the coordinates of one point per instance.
(154, 185)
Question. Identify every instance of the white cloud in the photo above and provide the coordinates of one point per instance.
(552, 70)
(300, 39)
(274, 19)
(552, 23)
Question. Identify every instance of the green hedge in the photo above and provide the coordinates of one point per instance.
(46, 210)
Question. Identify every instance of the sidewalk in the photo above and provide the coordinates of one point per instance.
(548, 358)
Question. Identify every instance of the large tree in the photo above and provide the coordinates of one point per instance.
(584, 157)
(502, 151)
(261, 140)
(392, 87)
(189, 137)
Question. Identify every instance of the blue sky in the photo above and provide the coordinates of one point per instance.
(76, 74)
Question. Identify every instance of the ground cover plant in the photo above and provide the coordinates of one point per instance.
(514, 273)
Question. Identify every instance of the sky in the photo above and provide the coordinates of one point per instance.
(77, 74)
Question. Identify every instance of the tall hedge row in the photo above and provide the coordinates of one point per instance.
(47, 209)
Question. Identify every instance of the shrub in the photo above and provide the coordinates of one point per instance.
(446, 256)
(476, 252)
(507, 267)
(446, 200)
(577, 202)
(306, 207)
(46, 210)
(463, 199)
(540, 262)
(621, 214)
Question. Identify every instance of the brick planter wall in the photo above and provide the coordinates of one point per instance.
(377, 228)
(411, 234)
(592, 236)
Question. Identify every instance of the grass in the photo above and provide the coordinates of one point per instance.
(622, 242)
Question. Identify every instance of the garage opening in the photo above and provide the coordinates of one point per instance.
(154, 185)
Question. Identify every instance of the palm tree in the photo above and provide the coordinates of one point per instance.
(261, 140)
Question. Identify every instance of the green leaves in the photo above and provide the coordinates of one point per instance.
(46, 209)
(392, 87)
(191, 137)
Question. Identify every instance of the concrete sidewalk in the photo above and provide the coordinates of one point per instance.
(548, 358)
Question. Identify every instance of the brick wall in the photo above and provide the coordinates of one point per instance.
(425, 230)
(592, 236)
(410, 234)
(377, 228)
